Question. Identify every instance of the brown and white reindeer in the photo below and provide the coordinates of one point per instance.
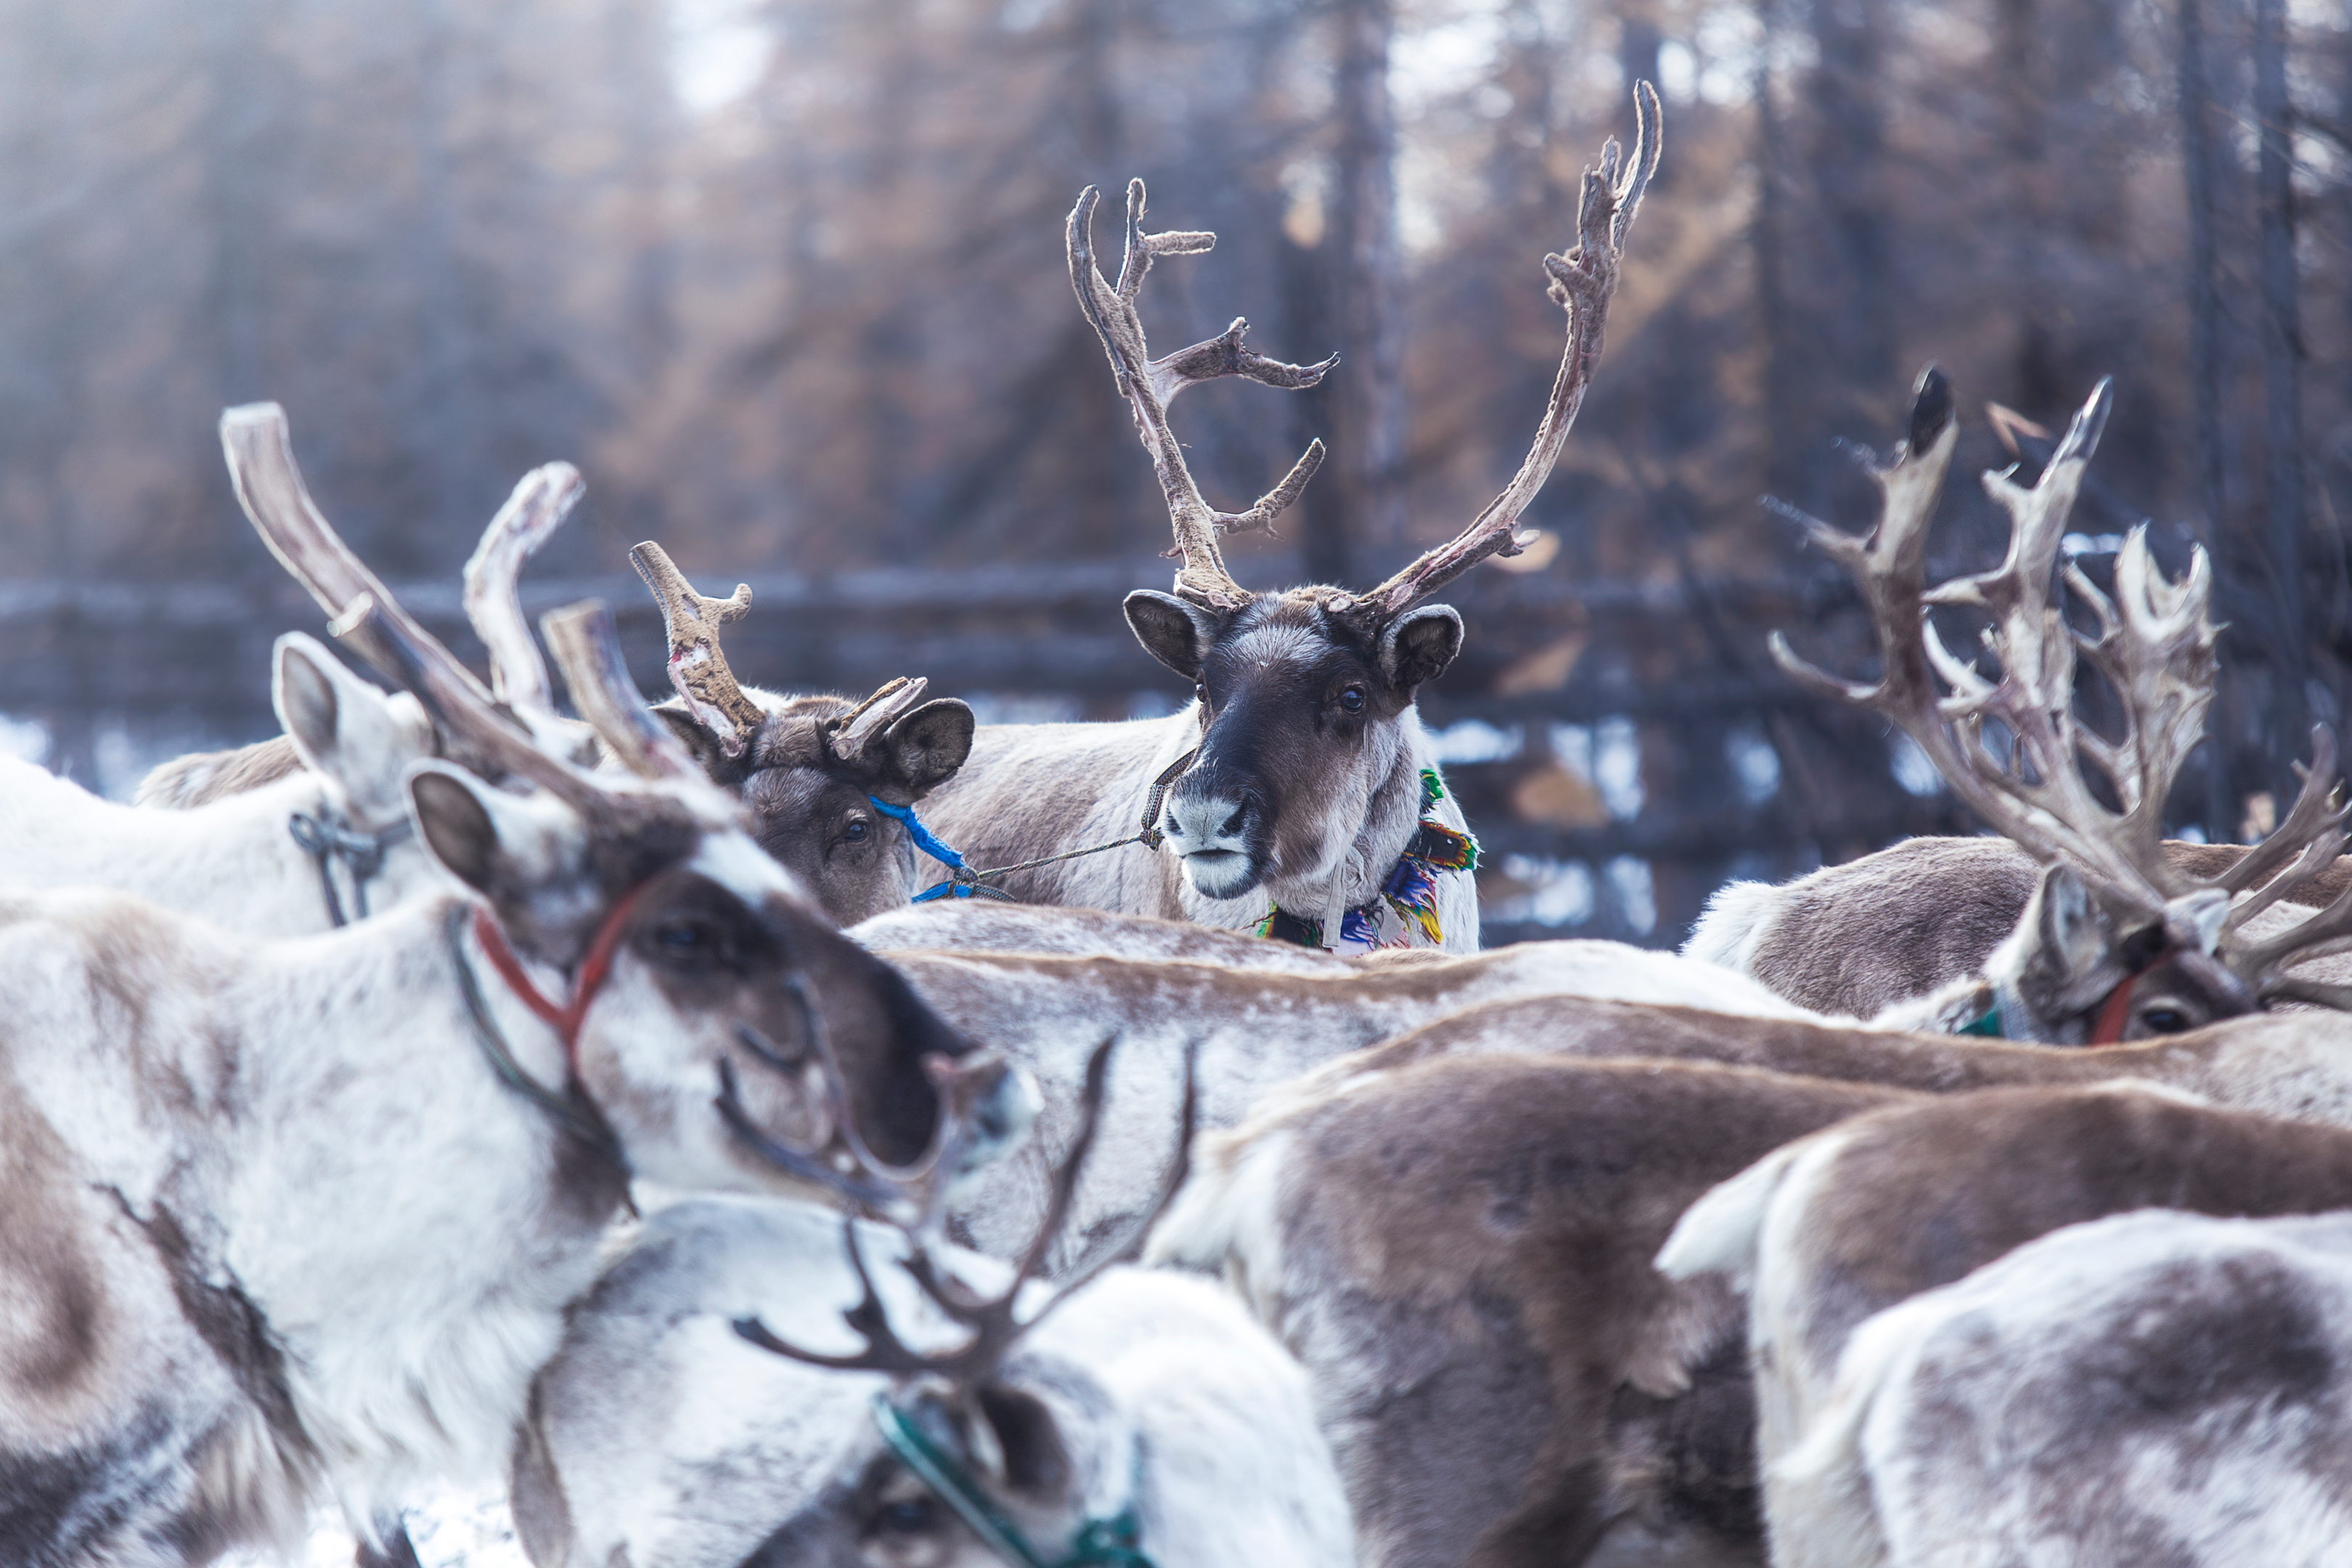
(2223, 1371)
(2121, 936)
(698, 1415)
(291, 1223)
(831, 782)
(1298, 791)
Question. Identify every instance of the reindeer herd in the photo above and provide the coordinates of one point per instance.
(765, 1129)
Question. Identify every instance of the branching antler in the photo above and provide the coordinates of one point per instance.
(992, 1321)
(1583, 282)
(698, 666)
(2154, 645)
(261, 453)
(1150, 386)
(530, 517)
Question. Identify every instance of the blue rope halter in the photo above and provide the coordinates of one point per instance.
(1113, 1542)
(962, 886)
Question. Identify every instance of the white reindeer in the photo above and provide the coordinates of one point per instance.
(299, 854)
(294, 1222)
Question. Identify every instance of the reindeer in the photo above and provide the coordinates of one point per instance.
(1951, 1187)
(297, 1221)
(2119, 937)
(311, 829)
(1908, 920)
(1299, 792)
(1134, 1415)
(831, 783)
(2206, 1351)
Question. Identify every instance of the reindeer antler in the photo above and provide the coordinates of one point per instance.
(2153, 643)
(992, 1321)
(588, 650)
(530, 517)
(1583, 282)
(698, 666)
(1150, 386)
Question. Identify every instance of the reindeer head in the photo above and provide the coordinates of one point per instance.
(2117, 942)
(1306, 697)
(714, 1009)
(954, 1437)
(809, 769)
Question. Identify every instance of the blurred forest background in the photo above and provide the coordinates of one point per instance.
(785, 278)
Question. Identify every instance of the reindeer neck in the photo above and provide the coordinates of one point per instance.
(233, 860)
(1362, 883)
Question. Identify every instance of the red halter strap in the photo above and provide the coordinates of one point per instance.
(2115, 1012)
(594, 970)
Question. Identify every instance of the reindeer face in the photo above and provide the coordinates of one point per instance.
(813, 808)
(2068, 964)
(720, 962)
(1306, 711)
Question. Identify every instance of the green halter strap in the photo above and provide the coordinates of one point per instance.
(1113, 1542)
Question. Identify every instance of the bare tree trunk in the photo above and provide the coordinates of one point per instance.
(1362, 499)
(452, 435)
(2283, 390)
(1849, 166)
(2205, 368)
(1782, 465)
(2024, 136)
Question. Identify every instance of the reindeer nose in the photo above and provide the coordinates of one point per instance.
(1237, 822)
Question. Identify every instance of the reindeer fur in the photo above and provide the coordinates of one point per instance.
(1831, 1230)
(2150, 1387)
(1249, 1030)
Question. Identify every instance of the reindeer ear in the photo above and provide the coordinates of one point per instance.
(343, 728)
(523, 853)
(1175, 633)
(724, 770)
(924, 748)
(1035, 1461)
(1418, 645)
(2075, 937)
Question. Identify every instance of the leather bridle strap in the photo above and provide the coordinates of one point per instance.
(594, 970)
(2115, 1012)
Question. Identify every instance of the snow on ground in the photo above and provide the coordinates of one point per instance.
(452, 1530)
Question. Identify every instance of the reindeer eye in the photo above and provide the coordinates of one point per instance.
(682, 938)
(2166, 1020)
(856, 830)
(1351, 699)
(911, 1517)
